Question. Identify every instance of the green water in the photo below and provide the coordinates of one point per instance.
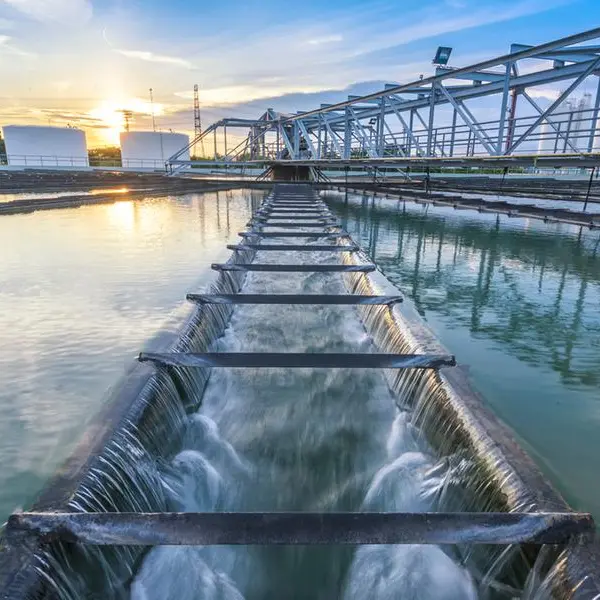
(517, 301)
(81, 291)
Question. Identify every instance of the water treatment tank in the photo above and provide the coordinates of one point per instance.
(35, 146)
(151, 149)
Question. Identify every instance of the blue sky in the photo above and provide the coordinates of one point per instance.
(81, 61)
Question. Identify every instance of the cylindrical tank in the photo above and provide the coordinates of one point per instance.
(151, 149)
(35, 146)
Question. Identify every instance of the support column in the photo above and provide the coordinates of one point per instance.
(453, 133)
(594, 123)
(347, 134)
(430, 147)
(503, 108)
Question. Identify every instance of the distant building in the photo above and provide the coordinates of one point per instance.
(151, 149)
(35, 146)
(573, 120)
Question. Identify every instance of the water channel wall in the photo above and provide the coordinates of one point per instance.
(114, 466)
(455, 420)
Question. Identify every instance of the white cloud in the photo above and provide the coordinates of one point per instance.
(63, 11)
(327, 39)
(6, 24)
(156, 58)
(428, 24)
(7, 47)
(546, 93)
(236, 94)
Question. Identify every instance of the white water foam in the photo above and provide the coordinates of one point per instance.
(299, 439)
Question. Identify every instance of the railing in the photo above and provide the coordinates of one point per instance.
(46, 160)
(50, 161)
(568, 132)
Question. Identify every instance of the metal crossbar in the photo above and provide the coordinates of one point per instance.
(304, 205)
(295, 214)
(295, 224)
(272, 209)
(201, 529)
(318, 218)
(306, 234)
(300, 268)
(342, 299)
(298, 360)
(294, 247)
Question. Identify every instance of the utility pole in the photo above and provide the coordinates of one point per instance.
(152, 109)
(197, 117)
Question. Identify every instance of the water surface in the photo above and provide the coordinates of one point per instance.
(81, 290)
(517, 301)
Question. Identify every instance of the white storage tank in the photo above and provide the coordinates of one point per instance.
(151, 149)
(35, 146)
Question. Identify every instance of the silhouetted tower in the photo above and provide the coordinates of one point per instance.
(197, 117)
(128, 116)
(152, 110)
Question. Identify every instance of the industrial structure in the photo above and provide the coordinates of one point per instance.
(150, 149)
(439, 120)
(35, 146)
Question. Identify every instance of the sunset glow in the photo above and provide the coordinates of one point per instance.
(111, 116)
(80, 63)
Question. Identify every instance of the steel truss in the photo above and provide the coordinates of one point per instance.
(436, 118)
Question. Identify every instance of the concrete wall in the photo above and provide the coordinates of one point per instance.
(151, 149)
(45, 146)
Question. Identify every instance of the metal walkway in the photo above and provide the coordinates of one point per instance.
(298, 528)
(486, 115)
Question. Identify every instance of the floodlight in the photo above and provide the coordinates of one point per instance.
(442, 56)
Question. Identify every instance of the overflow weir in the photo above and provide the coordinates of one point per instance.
(269, 468)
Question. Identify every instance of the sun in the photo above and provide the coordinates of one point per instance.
(110, 115)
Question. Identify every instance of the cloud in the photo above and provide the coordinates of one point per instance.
(63, 11)
(327, 39)
(156, 58)
(236, 94)
(6, 24)
(429, 24)
(8, 48)
(545, 93)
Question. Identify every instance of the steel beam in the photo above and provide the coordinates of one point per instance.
(341, 299)
(298, 360)
(300, 268)
(202, 529)
(293, 248)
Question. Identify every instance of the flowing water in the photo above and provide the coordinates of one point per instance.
(81, 290)
(300, 440)
(268, 439)
(517, 302)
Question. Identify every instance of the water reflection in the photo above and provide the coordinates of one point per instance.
(517, 302)
(81, 290)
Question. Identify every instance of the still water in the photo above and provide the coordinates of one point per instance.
(81, 290)
(517, 302)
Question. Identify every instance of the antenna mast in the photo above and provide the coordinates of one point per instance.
(152, 108)
(197, 117)
(127, 116)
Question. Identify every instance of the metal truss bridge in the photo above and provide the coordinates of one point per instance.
(486, 114)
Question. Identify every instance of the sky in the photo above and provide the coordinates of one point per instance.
(81, 62)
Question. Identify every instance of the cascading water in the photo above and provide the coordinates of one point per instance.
(308, 440)
(298, 440)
